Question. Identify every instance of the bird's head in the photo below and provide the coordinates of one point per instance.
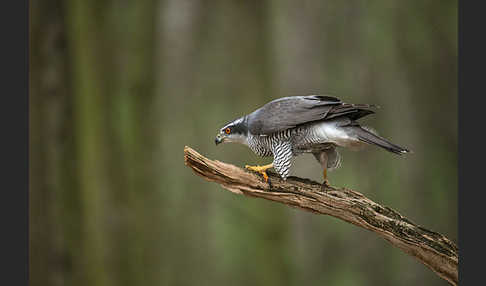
(235, 131)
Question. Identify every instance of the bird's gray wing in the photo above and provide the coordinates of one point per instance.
(289, 112)
(282, 155)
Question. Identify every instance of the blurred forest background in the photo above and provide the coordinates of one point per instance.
(118, 88)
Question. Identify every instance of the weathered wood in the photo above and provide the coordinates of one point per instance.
(432, 249)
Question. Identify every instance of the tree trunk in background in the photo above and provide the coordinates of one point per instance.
(93, 194)
(53, 197)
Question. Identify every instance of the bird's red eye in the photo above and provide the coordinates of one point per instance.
(227, 131)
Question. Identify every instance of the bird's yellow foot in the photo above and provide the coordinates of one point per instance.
(260, 169)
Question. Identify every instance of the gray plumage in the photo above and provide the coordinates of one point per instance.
(290, 126)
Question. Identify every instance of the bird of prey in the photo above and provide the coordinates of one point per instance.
(290, 126)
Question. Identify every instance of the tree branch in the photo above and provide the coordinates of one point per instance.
(432, 249)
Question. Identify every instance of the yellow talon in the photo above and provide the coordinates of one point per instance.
(260, 169)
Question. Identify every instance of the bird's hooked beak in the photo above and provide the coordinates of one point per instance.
(219, 139)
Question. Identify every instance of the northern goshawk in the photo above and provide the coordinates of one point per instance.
(290, 126)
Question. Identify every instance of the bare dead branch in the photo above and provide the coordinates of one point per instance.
(432, 249)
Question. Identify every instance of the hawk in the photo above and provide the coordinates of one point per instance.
(291, 126)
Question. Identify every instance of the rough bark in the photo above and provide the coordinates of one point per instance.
(430, 248)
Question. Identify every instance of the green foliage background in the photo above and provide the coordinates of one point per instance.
(118, 88)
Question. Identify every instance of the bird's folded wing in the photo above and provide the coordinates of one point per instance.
(289, 112)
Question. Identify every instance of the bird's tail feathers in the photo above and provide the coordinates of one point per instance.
(369, 136)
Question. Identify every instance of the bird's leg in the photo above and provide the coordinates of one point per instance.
(326, 182)
(260, 169)
(323, 160)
